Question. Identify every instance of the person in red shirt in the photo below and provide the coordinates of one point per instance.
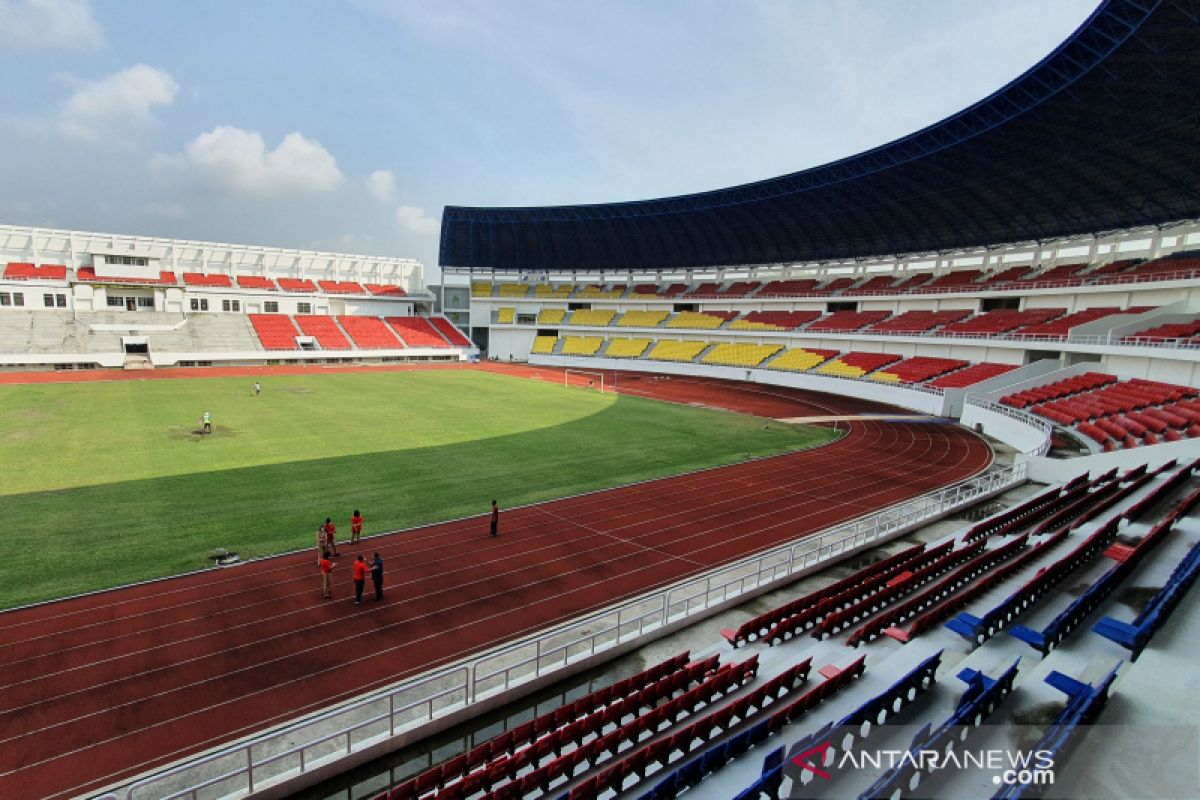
(360, 578)
(330, 536)
(356, 522)
(326, 582)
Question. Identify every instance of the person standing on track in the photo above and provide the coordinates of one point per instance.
(322, 543)
(377, 576)
(356, 522)
(326, 579)
(495, 519)
(360, 578)
(330, 536)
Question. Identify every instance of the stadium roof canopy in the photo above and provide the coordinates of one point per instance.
(1102, 134)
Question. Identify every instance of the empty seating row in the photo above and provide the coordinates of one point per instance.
(582, 345)
(774, 320)
(969, 376)
(1127, 558)
(953, 582)
(1000, 321)
(448, 330)
(369, 333)
(740, 355)
(626, 348)
(800, 359)
(980, 700)
(676, 350)
(642, 319)
(296, 285)
(341, 287)
(417, 331)
(851, 731)
(591, 316)
(864, 580)
(24, 271)
(199, 279)
(1059, 328)
(918, 369)
(697, 319)
(275, 331)
(1062, 388)
(505, 745)
(913, 322)
(847, 321)
(324, 329)
(856, 364)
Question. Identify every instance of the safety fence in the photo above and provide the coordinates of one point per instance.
(315, 742)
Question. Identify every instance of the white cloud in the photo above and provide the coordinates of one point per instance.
(235, 160)
(121, 101)
(414, 220)
(35, 24)
(381, 184)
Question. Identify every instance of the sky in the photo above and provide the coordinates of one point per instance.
(348, 125)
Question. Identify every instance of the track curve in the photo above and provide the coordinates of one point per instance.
(100, 688)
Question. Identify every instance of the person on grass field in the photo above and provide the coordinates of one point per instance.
(356, 522)
(206, 422)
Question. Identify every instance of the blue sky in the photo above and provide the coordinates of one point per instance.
(349, 125)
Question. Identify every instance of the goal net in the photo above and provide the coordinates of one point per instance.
(584, 379)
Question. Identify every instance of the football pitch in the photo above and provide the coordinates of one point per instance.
(107, 483)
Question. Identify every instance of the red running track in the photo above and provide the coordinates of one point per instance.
(99, 688)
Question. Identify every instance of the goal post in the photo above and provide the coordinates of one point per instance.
(584, 378)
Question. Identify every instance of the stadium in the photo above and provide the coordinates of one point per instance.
(876, 479)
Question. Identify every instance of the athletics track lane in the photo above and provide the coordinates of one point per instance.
(106, 686)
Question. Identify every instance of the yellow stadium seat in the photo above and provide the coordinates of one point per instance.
(694, 319)
(885, 377)
(513, 290)
(581, 345)
(745, 325)
(626, 348)
(547, 290)
(741, 355)
(594, 316)
(670, 350)
(481, 289)
(797, 360)
(642, 319)
(544, 344)
(839, 369)
(506, 316)
(551, 316)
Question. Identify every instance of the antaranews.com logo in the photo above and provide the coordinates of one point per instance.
(1008, 767)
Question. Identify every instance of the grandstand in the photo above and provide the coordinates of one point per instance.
(1003, 329)
(58, 286)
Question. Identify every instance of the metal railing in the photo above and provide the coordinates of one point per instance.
(1021, 416)
(290, 751)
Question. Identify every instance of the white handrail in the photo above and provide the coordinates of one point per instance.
(292, 750)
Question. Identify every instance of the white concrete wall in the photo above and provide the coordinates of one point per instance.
(1018, 435)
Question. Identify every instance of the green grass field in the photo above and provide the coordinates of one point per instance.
(106, 483)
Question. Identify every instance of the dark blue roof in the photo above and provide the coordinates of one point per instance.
(1102, 134)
